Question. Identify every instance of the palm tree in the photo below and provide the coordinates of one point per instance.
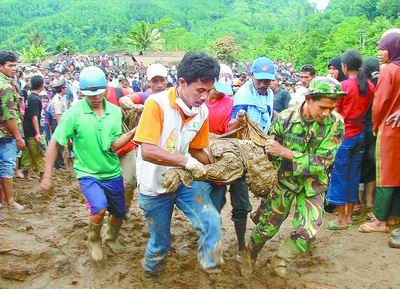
(34, 54)
(145, 37)
(35, 38)
(119, 41)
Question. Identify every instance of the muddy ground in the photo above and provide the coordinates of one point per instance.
(49, 241)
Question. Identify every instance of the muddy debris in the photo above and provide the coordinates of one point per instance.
(231, 159)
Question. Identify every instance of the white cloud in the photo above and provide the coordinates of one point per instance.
(321, 4)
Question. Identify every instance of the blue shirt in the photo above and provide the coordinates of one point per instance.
(259, 108)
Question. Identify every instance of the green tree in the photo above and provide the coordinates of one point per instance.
(225, 48)
(144, 37)
(34, 53)
(35, 38)
(389, 8)
(65, 46)
(92, 50)
(177, 39)
(119, 41)
(350, 34)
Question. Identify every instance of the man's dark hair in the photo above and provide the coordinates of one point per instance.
(58, 89)
(308, 68)
(7, 56)
(198, 66)
(36, 82)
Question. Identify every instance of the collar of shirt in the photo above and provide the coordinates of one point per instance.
(88, 109)
(5, 77)
(298, 117)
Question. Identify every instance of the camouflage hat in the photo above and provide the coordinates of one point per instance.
(58, 82)
(322, 86)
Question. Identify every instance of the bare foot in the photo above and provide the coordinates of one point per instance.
(336, 225)
(19, 174)
(349, 221)
(15, 205)
(358, 208)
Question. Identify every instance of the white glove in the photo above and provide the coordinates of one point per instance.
(195, 167)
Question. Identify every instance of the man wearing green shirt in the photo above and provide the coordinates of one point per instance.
(304, 144)
(11, 132)
(94, 126)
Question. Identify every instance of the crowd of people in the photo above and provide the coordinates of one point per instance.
(332, 142)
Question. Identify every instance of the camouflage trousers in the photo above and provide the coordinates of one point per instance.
(307, 218)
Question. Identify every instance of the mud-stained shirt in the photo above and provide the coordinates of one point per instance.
(8, 106)
(314, 145)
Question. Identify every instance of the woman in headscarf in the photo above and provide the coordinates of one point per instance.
(335, 69)
(385, 118)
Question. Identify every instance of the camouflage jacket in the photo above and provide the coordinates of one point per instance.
(314, 145)
(8, 106)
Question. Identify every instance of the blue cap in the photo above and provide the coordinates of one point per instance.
(92, 81)
(263, 68)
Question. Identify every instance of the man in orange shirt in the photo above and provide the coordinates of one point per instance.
(173, 132)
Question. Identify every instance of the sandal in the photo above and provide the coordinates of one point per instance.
(371, 216)
(396, 232)
(366, 228)
(334, 227)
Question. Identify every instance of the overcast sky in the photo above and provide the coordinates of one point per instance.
(321, 4)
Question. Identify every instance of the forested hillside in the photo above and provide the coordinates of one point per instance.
(289, 29)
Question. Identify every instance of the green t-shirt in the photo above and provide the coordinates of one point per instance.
(92, 137)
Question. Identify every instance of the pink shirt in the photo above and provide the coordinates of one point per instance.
(219, 114)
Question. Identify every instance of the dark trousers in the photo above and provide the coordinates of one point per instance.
(387, 202)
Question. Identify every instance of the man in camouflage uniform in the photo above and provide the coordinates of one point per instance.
(306, 138)
(11, 131)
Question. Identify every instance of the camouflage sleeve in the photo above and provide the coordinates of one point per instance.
(276, 129)
(8, 106)
(307, 165)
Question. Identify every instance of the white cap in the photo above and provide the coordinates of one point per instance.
(156, 69)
